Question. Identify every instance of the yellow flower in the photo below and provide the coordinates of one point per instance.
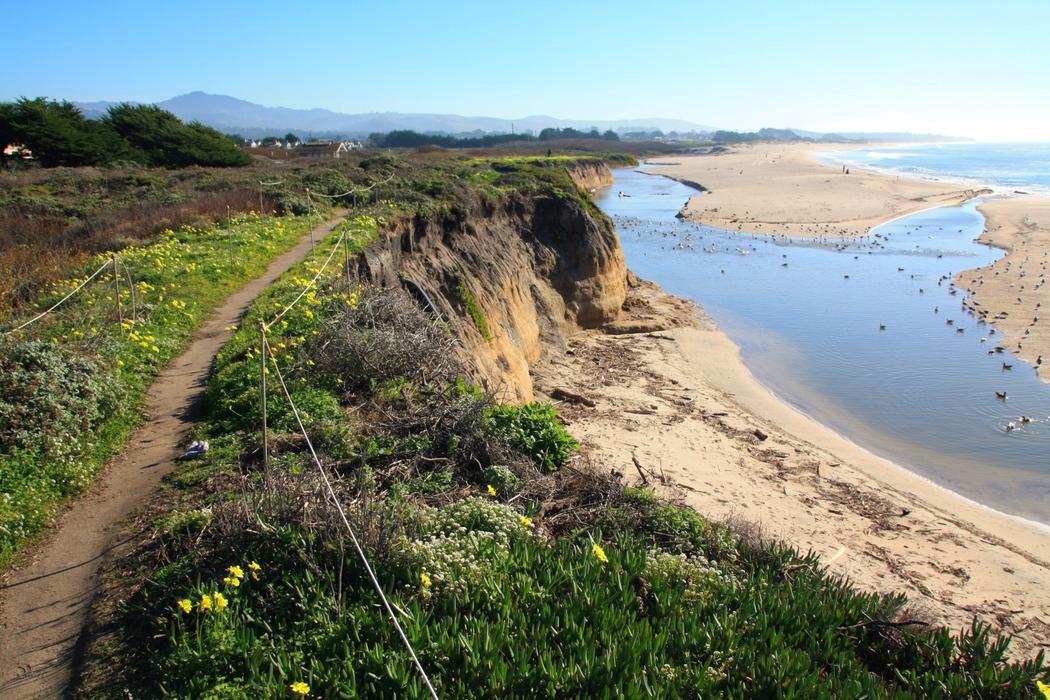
(254, 566)
(299, 688)
(599, 553)
(155, 349)
(1044, 689)
(220, 602)
(232, 581)
(205, 603)
(185, 605)
(424, 580)
(236, 571)
(492, 491)
(526, 521)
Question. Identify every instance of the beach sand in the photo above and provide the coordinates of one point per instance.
(706, 432)
(784, 189)
(1011, 293)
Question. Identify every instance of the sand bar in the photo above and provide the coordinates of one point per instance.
(784, 189)
(1011, 294)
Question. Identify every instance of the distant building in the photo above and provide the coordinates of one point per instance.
(325, 149)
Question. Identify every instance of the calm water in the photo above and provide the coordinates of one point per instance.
(1003, 166)
(919, 392)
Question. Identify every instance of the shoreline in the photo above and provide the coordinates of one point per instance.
(789, 191)
(728, 446)
(874, 521)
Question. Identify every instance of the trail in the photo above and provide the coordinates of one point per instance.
(44, 605)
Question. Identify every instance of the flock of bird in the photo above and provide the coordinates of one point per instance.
(690, 235)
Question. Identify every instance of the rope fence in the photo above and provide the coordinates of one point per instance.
(61, 301)
(310, 285)
(346, 522)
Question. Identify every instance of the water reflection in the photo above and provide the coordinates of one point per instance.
(867, 336)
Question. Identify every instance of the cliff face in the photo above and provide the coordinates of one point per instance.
(510, 279)
(590, 175)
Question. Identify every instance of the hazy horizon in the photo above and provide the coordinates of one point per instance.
(952, 68)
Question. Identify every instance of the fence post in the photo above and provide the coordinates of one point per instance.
(346, 261)
(310, 215)
(262, 378)
(116, 294)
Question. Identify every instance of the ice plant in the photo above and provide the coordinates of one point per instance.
(599, 553)
(299, 688)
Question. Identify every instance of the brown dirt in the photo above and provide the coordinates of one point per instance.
(45, 603)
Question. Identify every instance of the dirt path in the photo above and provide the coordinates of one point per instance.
(45, 603)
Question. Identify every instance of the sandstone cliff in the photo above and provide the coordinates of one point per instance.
(589, 174)
(511, 279)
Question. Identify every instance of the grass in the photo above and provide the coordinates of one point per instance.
(74, 382)
(517, 568)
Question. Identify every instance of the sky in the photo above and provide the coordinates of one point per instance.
(954, 67)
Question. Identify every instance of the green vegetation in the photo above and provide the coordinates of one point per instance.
(414, 139)
(72, 383)
(517, 567)
(470, 305)
(56, 133)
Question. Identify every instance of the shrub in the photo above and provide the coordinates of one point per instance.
(49, 396)
(534, 429)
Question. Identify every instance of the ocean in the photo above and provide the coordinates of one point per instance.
(1003, 167)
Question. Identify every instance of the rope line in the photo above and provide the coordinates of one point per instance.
(356, 189)
(307, 288)
(63, 299)
(271, 184)
(346, 522)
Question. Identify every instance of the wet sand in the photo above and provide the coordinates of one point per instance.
(704, 430)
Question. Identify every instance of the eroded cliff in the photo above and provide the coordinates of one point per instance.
(512, 278)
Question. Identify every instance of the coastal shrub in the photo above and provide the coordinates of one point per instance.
(470, 305)
(50, 395)
(385, 336)
(534, 429)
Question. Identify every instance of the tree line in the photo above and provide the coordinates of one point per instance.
(413, 139)
(57, 133)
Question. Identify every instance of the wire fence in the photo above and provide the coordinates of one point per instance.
(311, 284)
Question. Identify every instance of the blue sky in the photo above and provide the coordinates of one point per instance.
(957, 67)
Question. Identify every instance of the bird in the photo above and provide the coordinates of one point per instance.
(1001, 395)
(882, 326)
(1006, 366)
(960, 330)
(950, 322)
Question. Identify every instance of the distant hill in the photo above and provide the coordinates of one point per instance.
(233, 115)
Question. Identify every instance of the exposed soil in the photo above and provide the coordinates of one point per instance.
(45, 603)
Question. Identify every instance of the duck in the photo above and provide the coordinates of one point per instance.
(1001, 395)
(1006, 366)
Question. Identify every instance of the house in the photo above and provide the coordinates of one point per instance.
(325, 149)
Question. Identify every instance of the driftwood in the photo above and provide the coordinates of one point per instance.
(641, 471)
(565, 395)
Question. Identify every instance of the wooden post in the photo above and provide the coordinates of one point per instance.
(310, 215)
(346, 261)
(262, 381)
(116, 287)
(260, 201)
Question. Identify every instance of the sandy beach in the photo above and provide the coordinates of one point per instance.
(682, 403)
(1011, 293)
(784, 189)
